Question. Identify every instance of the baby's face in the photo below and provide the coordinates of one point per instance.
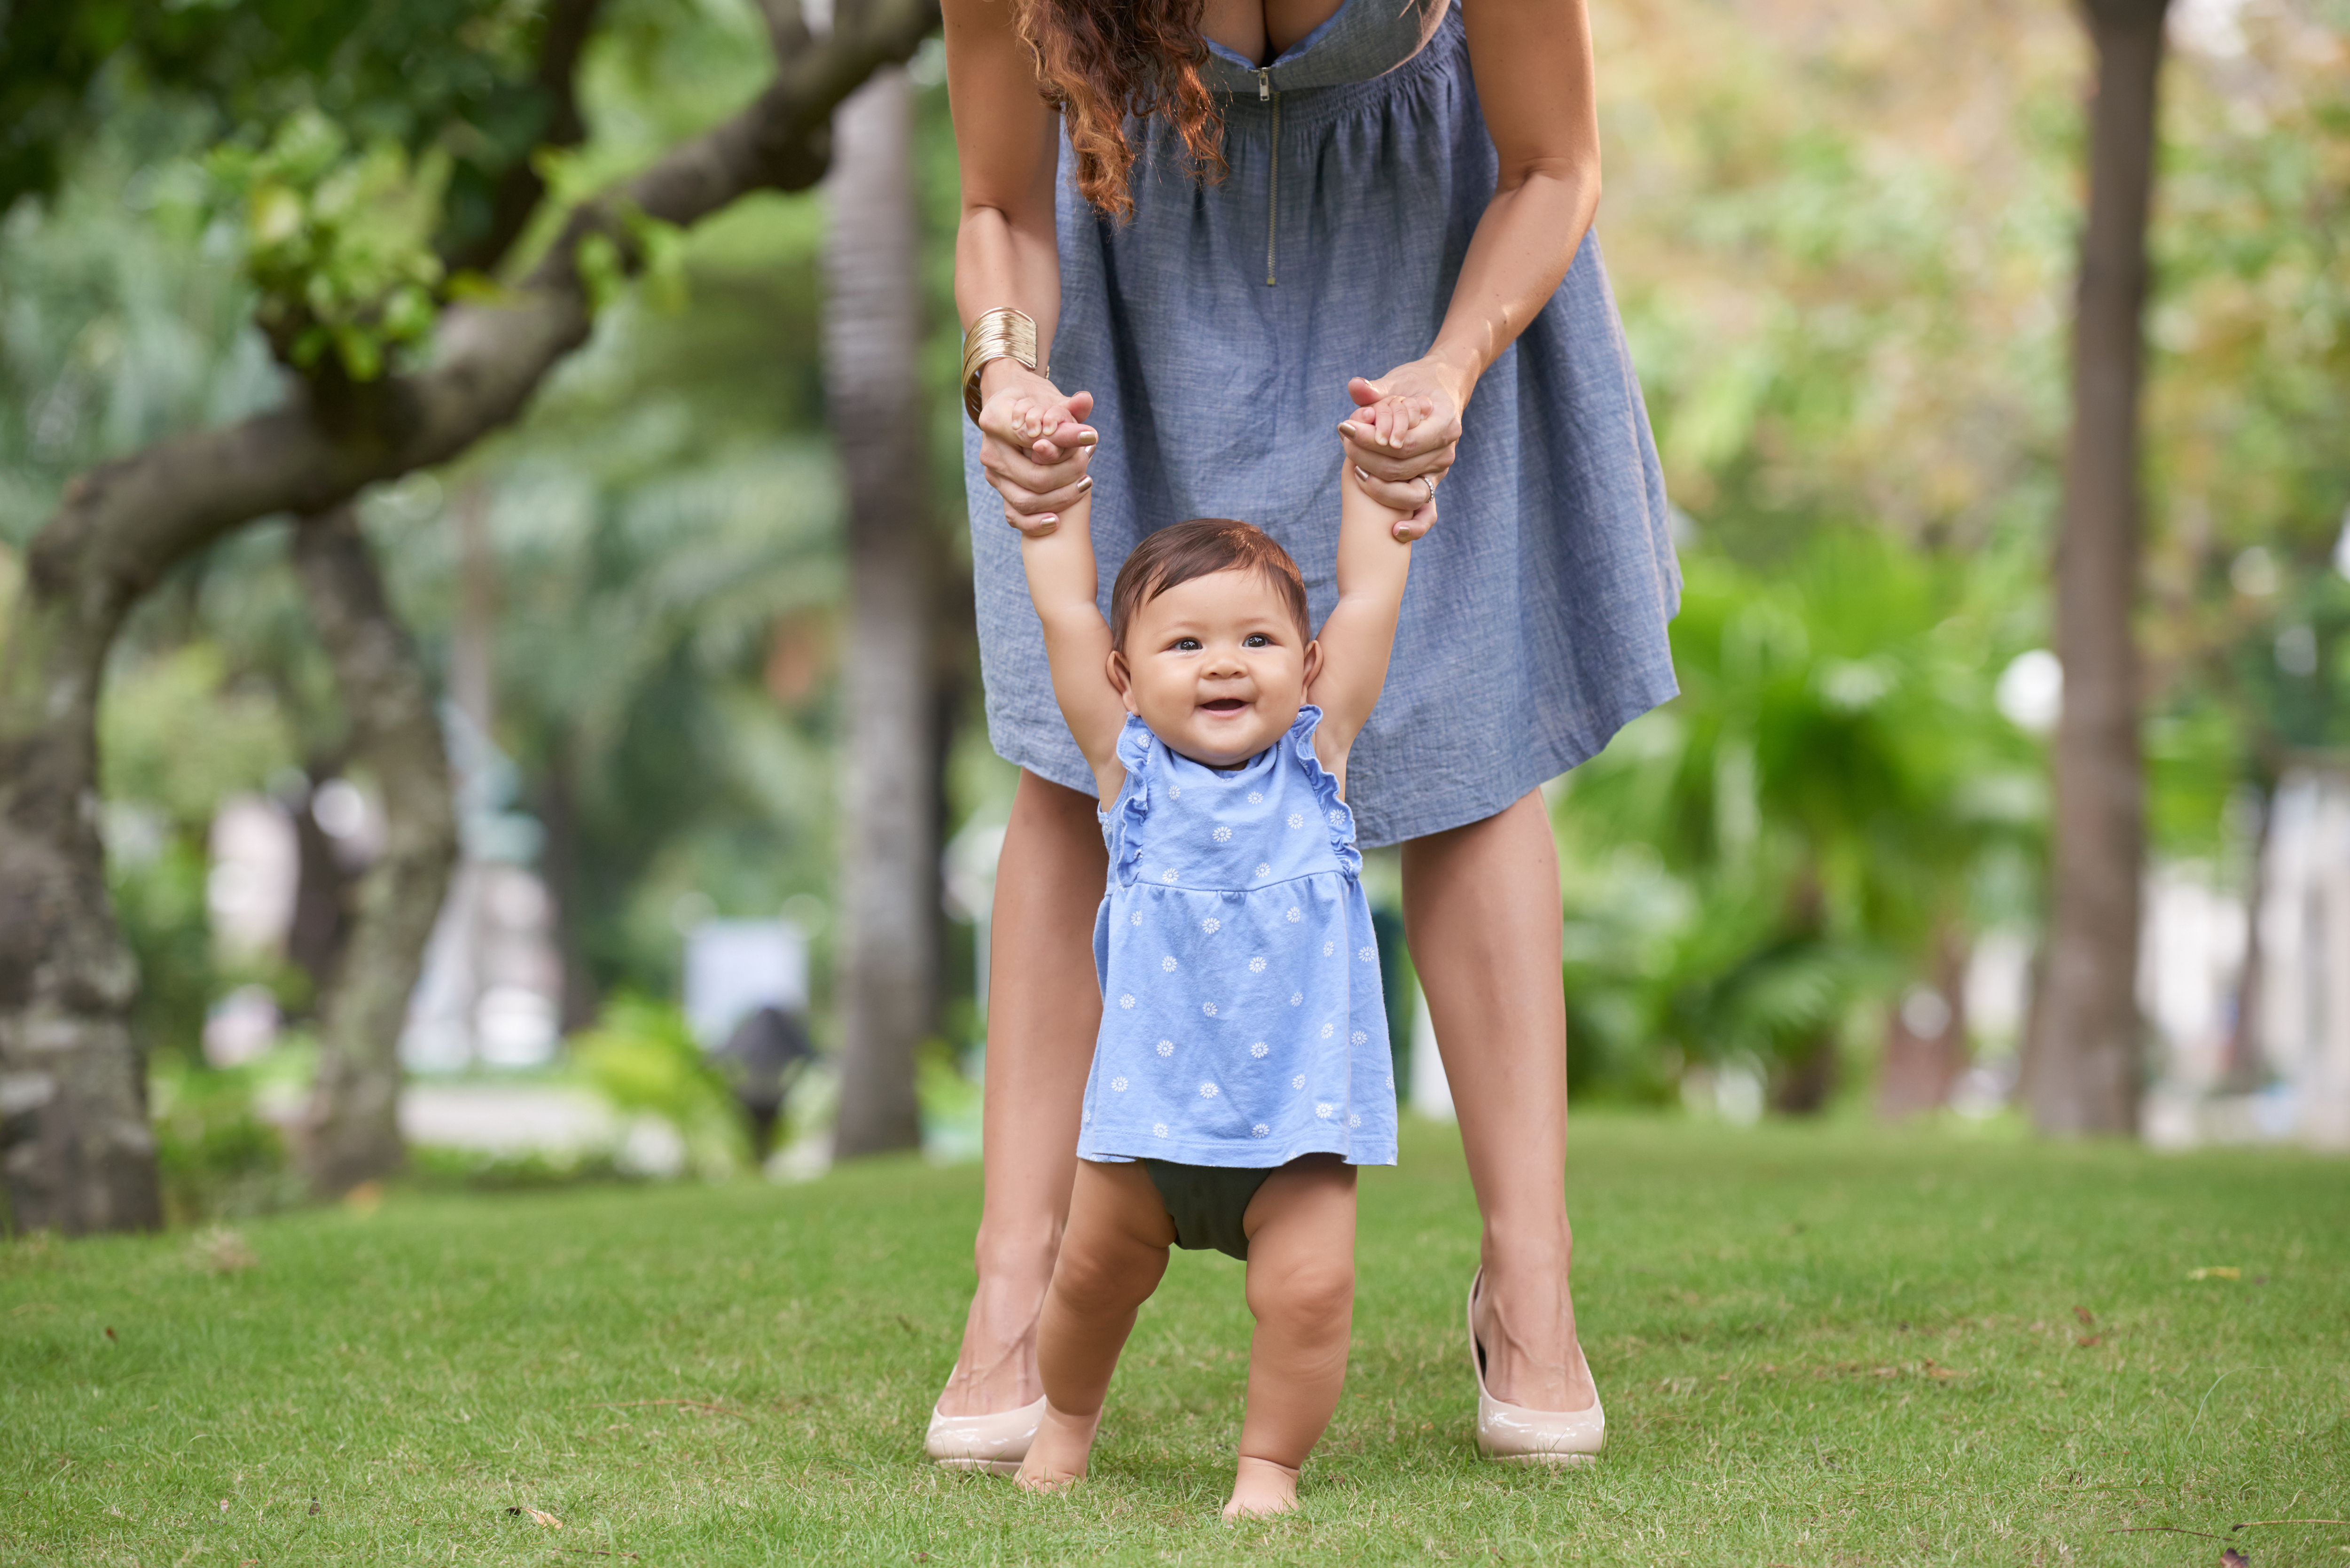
(1216, 667)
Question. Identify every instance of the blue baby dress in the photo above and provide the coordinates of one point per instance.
(1242, 1022)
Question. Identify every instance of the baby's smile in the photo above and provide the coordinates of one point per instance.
(1217, 666)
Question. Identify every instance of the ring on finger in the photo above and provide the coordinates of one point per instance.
(1431, 488)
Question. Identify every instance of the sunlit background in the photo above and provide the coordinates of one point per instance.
(1844, 240)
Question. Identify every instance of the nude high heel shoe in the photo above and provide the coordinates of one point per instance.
(1514, 1435)
(995, 1443)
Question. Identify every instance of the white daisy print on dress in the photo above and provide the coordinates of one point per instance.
(1323, 1109)
(1119, 1084)
(1167, 1047)
(1136, 919)
(1174, 792)
(1327, 1029)
(1221, 834)
(1296, 914)
(1354, 1121)
(1209, 1008)
(1336, 817)
(1207, 1091)
(1126, 1002)
(1367, 954)
(1296, 997)
(1296, 820)
(1358, 1037)
(1158, 1131)
(1263, 870)
(1327, 949)
(1168, 964)
(1166, 875)
(1212, 925)
(1298, 1082)
(1258, 1049)
(1259, 1130)
(1256, 966)
(1255, 798)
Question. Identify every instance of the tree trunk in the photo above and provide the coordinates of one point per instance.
(1921, 1068)
(2084, 1076)
(75, 1148)
(75, 1143)
(351, 1131)
(888, 945)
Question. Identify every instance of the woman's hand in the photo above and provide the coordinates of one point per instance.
(1395, 453)
(1034, 445)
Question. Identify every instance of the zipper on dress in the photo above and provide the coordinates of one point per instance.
(1264, 94)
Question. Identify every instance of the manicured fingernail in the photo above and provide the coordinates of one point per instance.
(1088, 438)
(1085, 483)
(1361, 473)
(1047, 517)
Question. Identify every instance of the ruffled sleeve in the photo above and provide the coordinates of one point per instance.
(1338, 819)
(1122, 822)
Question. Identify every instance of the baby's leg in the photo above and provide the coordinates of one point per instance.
(1301, 1287)
(1111, 1257)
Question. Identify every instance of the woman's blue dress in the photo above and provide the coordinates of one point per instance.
(1217, 330)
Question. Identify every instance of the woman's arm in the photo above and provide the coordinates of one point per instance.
(1062, 582)
(1374, 558)
(1532, 62)
(1007, 144)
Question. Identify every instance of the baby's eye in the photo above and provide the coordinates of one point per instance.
(1187, 644)
(1257, 639)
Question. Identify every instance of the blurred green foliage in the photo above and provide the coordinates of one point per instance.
(643, 1058)
(1844, 246)
(1833, 790)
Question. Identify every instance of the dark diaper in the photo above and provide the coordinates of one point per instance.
(1207, 1201)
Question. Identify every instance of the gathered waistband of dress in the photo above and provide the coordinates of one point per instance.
(1300, 107)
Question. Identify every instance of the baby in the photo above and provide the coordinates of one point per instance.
(1242, 1072)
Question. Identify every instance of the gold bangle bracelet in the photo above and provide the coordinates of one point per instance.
(1002, 333)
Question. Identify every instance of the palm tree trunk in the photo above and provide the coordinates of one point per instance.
(886, 951)
(351, 1132)
(2084, 1077)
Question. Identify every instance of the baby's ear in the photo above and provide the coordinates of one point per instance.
(1121, 679)
(1313, 665)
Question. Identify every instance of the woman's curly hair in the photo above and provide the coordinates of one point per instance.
(1098, 61)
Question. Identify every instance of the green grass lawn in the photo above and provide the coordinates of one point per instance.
(1816, 1346)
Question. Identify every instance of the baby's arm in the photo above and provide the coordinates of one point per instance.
(1360, 633)
(1062, 582)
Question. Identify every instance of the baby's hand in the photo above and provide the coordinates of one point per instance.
(1388, 421)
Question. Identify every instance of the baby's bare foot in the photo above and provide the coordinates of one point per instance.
(1261, 1487)
(1057, 1454)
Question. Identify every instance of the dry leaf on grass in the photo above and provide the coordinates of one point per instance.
(2215, 1272)
(545, 1518)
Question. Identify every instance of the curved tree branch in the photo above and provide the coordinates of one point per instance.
(74, 1142)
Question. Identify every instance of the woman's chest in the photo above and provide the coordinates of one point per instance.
(1259, 30)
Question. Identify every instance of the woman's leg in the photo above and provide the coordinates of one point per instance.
(1044, 1009)
(1481, 908)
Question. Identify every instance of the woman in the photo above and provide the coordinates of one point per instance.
(1306, 192)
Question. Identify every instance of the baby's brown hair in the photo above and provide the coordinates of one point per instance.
(1200, 549)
